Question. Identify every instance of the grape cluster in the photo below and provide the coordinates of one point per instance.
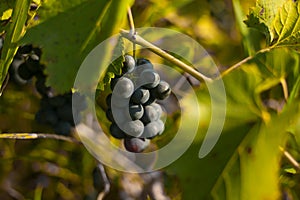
(55, 111)
(132, 106)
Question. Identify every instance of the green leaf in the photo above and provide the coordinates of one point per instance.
(69, 30)
(287, 24)
(115, 68)
(14, 33)
(262, 16)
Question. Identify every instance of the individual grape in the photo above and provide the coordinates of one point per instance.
(37, 51)
(124, 88)
(141, 65)
(63, 128)
(120, 115)
(149, 78)
(98, 182)
(65, 112)
(143, 61)
(41, 87)
(151, 130)
(24, 72)
(150, 114)
(116, 132)
(33, 63)
(113, 82)
(26, 49)
(46, 116)
(157, 108)
(162, 90)
(151, 100)
(133, 128)
(57, 101)
(129, 64)
(136, 145)
(140, 96)
(109, 115)
(119, 102)
(136, 111)
(79, 101)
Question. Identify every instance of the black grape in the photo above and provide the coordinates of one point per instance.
(63, 128)
(57, 101)
(162, 90)
(136, 111)
(133, 128)
(136, 145)
(46, 116)
(140, 96)
(24, 72)
(116, 132)
(109, 115)
(149, 78)
(113, 82)
(65, 112)
(124, 88)
(150, 114)
(151, 130)
(129, 64)
(108, 100)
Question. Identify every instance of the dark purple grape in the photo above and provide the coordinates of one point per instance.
(124, 88)
(113, 82)
(46, 116)
(136, 111)
(149, 79)
(26, 49)
(108, 100)
(109, 115)
(63, 128)
(140, 96)
(57, 101)
(128, 65)
(136, 145)
(133, 128)
(162, 90)
(116, 132)
(33, 64)
(41, 87)
(65, 112)
(150, 114)
(24, 72)
(151, 130)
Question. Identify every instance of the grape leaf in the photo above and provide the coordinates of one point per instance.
(69, 30)
(287, 24)
(262, 16)
(15, 31)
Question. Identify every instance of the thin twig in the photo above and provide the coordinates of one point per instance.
(105, 180)
(30, 136)
(132, 28)
(290, 158)
(245, 60)
(141, 41)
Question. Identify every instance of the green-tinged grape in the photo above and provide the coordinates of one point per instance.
(116, 132)
(136, 145)
(133, 128)
(140, 96)
(63, 128)
(162, 90)
(124, 88)
(149, 79)
(136, 111)
(129, 64)
(150, 114)
(151, 130)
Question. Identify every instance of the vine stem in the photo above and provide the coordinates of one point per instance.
(132, 28)
(290, 158)
(141, 41)
(245, 60)
(30, 136)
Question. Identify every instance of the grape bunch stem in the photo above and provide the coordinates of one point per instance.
(141, 41)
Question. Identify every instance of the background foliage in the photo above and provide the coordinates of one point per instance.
(262, 121)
